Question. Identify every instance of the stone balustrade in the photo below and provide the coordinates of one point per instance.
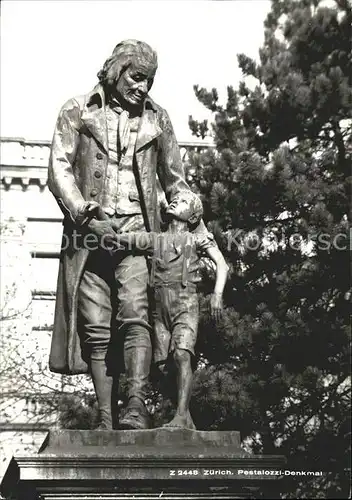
(17, 151)
(23, 161)
(26, 161)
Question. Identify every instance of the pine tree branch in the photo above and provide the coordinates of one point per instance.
(344, 5)
(319, 407)
(340, 145)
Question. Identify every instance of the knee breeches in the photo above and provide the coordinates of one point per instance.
(113, 295)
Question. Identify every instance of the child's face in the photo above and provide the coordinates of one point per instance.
(180, 208)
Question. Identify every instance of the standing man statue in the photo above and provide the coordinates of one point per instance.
(110, 149)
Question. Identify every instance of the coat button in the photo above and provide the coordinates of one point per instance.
(94, 192)
(99, 156)
(97, 174)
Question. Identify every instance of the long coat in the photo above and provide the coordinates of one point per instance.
(77, 171)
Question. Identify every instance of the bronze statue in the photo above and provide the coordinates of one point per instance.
(174, 276)
(110, 149)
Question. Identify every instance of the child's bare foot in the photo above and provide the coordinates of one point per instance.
(182, 421)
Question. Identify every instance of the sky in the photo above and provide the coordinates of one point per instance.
(52, 50)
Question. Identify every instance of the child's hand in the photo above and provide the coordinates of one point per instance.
(216, 306)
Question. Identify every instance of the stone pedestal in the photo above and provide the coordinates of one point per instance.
(158, 463)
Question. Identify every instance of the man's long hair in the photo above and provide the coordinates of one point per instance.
(124, 54)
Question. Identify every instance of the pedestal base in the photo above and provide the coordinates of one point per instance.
(157, 463)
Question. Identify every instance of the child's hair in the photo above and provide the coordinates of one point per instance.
(195, 204)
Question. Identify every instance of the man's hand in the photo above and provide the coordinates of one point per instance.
(216, 306)
(91, 206)
(107, 237)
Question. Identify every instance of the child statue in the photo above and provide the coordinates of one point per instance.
(174, 275)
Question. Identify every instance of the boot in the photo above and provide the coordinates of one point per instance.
(137, 364)
(103, 389)
(135, 416)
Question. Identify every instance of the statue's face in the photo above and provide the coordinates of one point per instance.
(135, 83)
(180, 208)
